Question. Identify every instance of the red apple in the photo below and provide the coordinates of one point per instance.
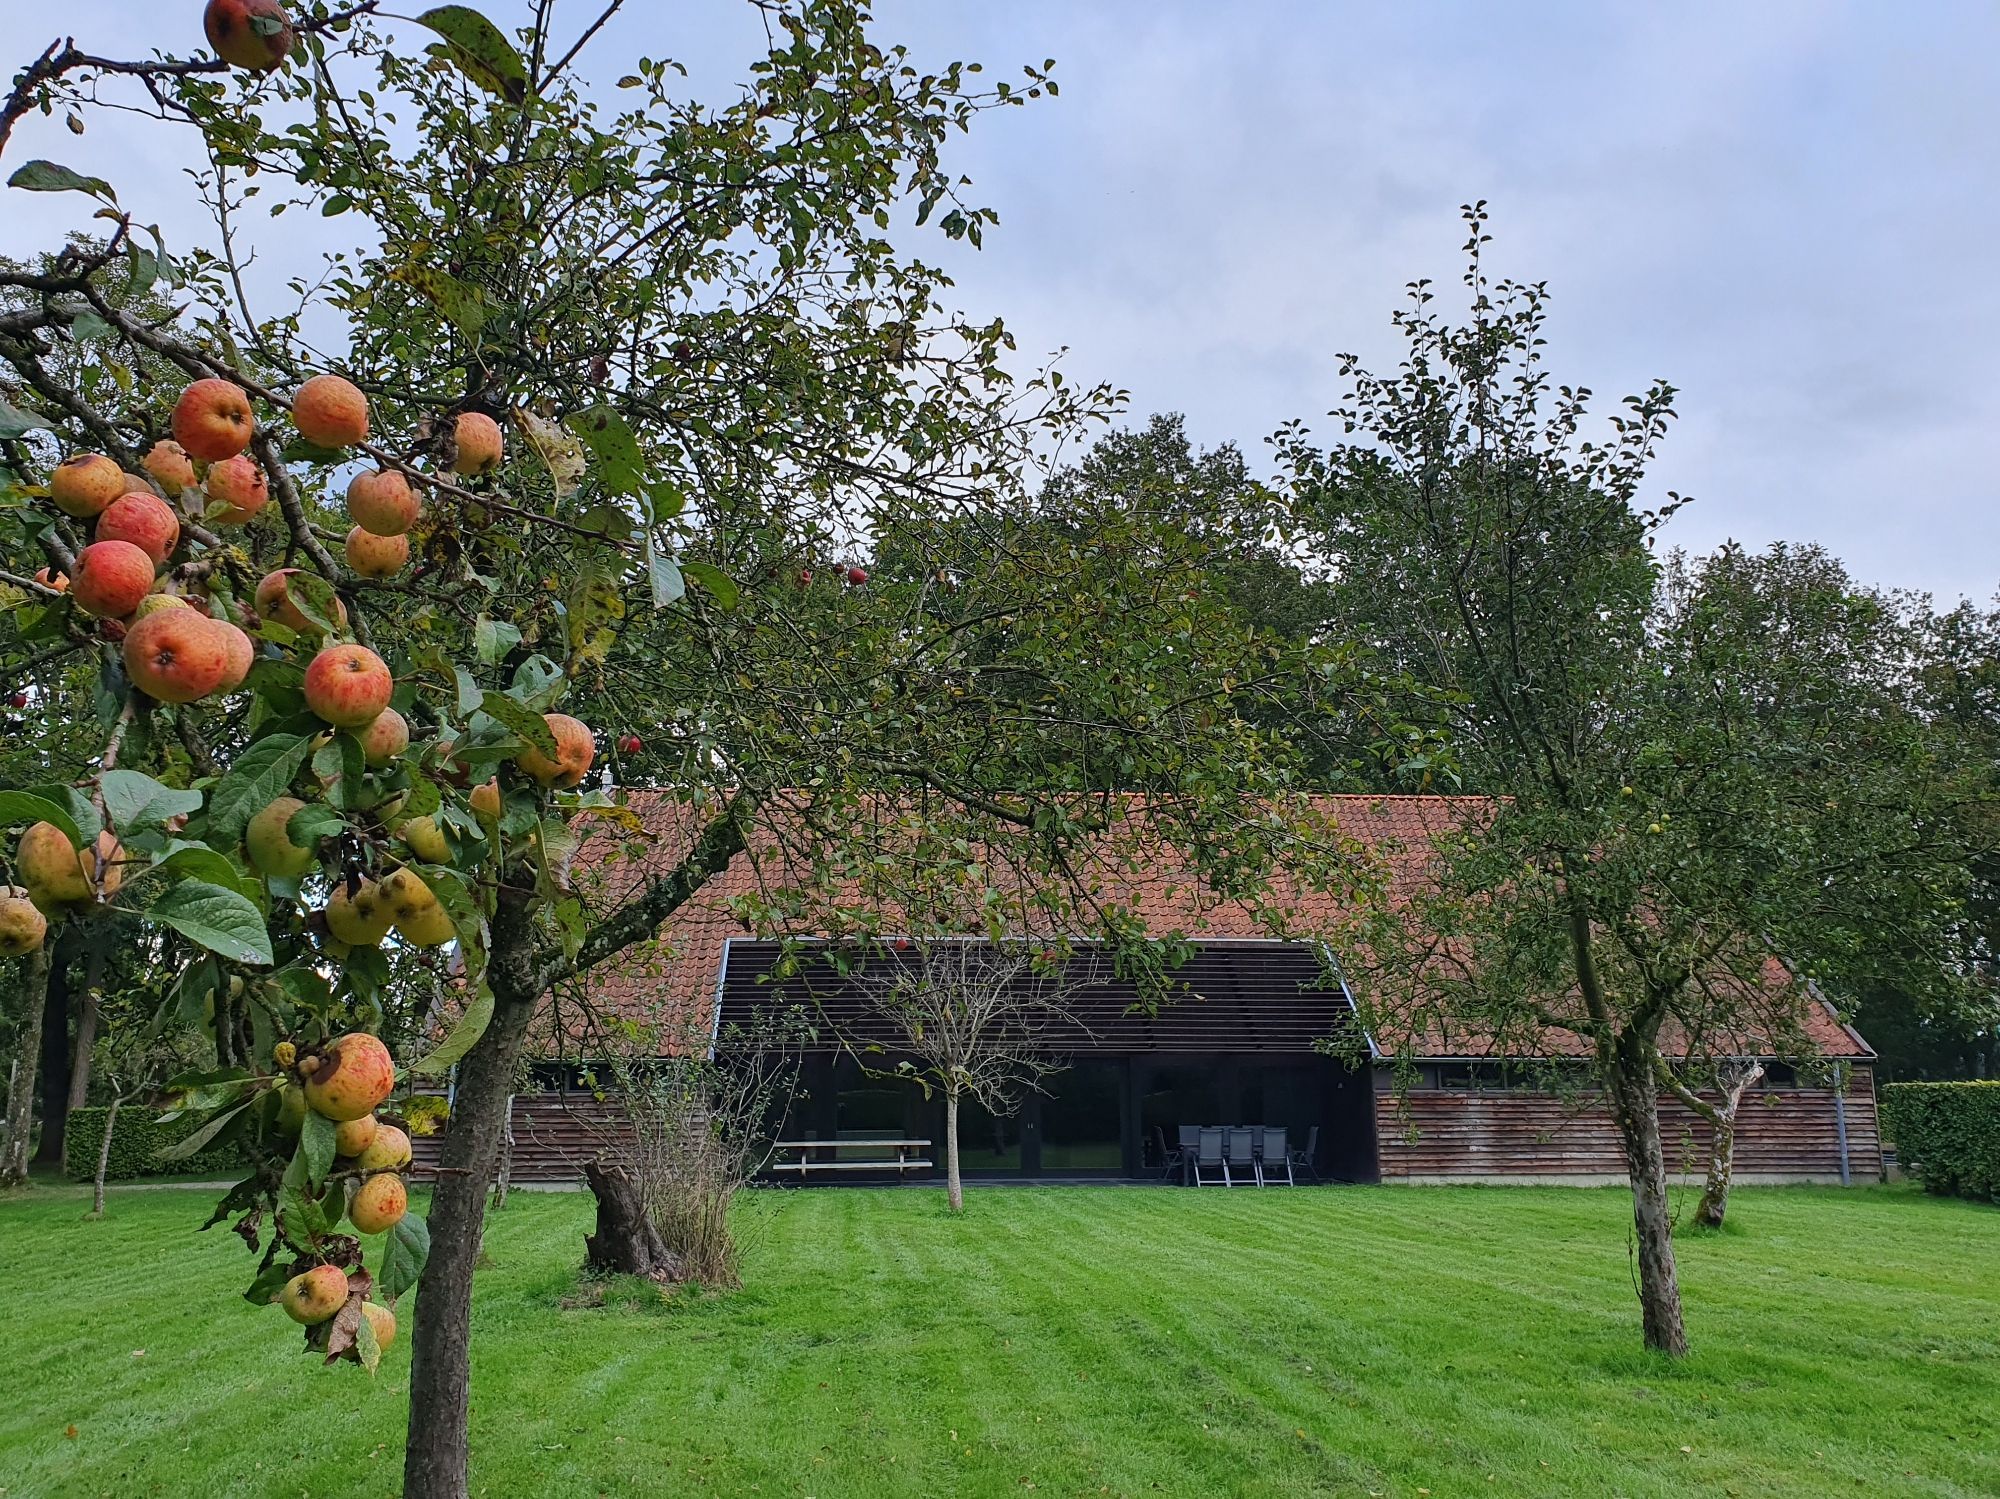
(51, 579)
(82, 486)
(330, 412)
(384, 739)
(317, 1295)
(856, 576)
(111, 578)
(355, 1074)
(480, 446)
(170, 467)
(575, 749)
(382, 501)
(212, 420)
(240, 484)
(239, 652)
(251, 34)
(631, 744)
(373, 556)
(275, 603)
(175, 656)
(145, 520)
(348, 686)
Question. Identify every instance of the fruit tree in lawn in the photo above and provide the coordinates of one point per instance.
(627, 370)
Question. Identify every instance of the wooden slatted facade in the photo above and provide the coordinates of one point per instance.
(554, 1134)
(1782, 1134)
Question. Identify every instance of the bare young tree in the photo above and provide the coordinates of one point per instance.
(693, 1125)
(1730, 1078)
(979, 1020)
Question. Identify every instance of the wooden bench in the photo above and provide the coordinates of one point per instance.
(904, 1161)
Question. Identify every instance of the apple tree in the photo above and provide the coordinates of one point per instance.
(574, 418)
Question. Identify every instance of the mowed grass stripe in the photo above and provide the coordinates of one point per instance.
(1085, 1340)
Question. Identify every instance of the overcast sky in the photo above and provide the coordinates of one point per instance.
(1789, 210)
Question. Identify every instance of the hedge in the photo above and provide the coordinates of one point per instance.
(133, 1147)
(1947, 1135)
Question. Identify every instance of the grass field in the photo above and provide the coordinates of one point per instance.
(1445, 1341)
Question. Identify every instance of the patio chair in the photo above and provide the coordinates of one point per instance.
(1208, 1157)
(1306, 1160)
(1170, 1159)
(1274, 1158)
(1190, 1137)
(1240, 1152)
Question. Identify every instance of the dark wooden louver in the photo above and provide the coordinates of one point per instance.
(1230, 997)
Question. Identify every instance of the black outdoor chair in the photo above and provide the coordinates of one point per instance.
(1305, 1160)
(1208, 1157)
(1190, 1137)
(1170, 1159)
(1241, 1152)
(1273, 1159)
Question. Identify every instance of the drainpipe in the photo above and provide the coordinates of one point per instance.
(1840, 1120)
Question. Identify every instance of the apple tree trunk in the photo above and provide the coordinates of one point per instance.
(53, 1064)
(434, 1463)
(626, 1242)
(104, 1157)
(1636, 1105)
(21, 1096)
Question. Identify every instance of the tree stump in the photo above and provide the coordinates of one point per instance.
(626, 1242)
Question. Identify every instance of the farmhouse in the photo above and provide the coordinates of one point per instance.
(1258, 1031)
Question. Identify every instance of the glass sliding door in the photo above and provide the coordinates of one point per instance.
(1081, 1126)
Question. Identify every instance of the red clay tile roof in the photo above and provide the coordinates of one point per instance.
(680, 970)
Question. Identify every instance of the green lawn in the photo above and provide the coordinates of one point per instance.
(1073, 1340)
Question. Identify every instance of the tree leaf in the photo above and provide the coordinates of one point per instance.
(463, 304)
(520, 720)
(558, 449)
(25, 806)
(464, 1036)
(404, 1255)
(218, 918)
(664, 574)
(316, 1144)
(15, 422)
(133, 800)
(621, 468)
(312, 822)
(180, 1150)
(261, 774)
(492, 639)
(715, 581)
(299, 1214)
(48, 177)
(197, 861)
(366, 1348)
(481, 51)
(314, 597)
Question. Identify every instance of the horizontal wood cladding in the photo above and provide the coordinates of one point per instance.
(1782, 1132)
(1242, 996)
(554, 1134)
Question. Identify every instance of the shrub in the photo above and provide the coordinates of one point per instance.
(135, 1144)
(1947, 1135)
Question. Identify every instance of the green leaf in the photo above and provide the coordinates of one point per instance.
(715, 581)
(299, 1215)
(366, 1348)
(25, 806)
(664, 574)
(493, 639)
(620, 467)
(316, 1144)
(180, 1150)
(342, 769)
(261, 774)
(480, 50)
(133, 800)
(519, 719)
(47, 177)
(197, 861)
(464, 1036)
(404, 1255)
(17, 423)
(539, 683)
(312, 822)
(270, 1281)
(463, 304)
(314, 597)
(220, 919)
